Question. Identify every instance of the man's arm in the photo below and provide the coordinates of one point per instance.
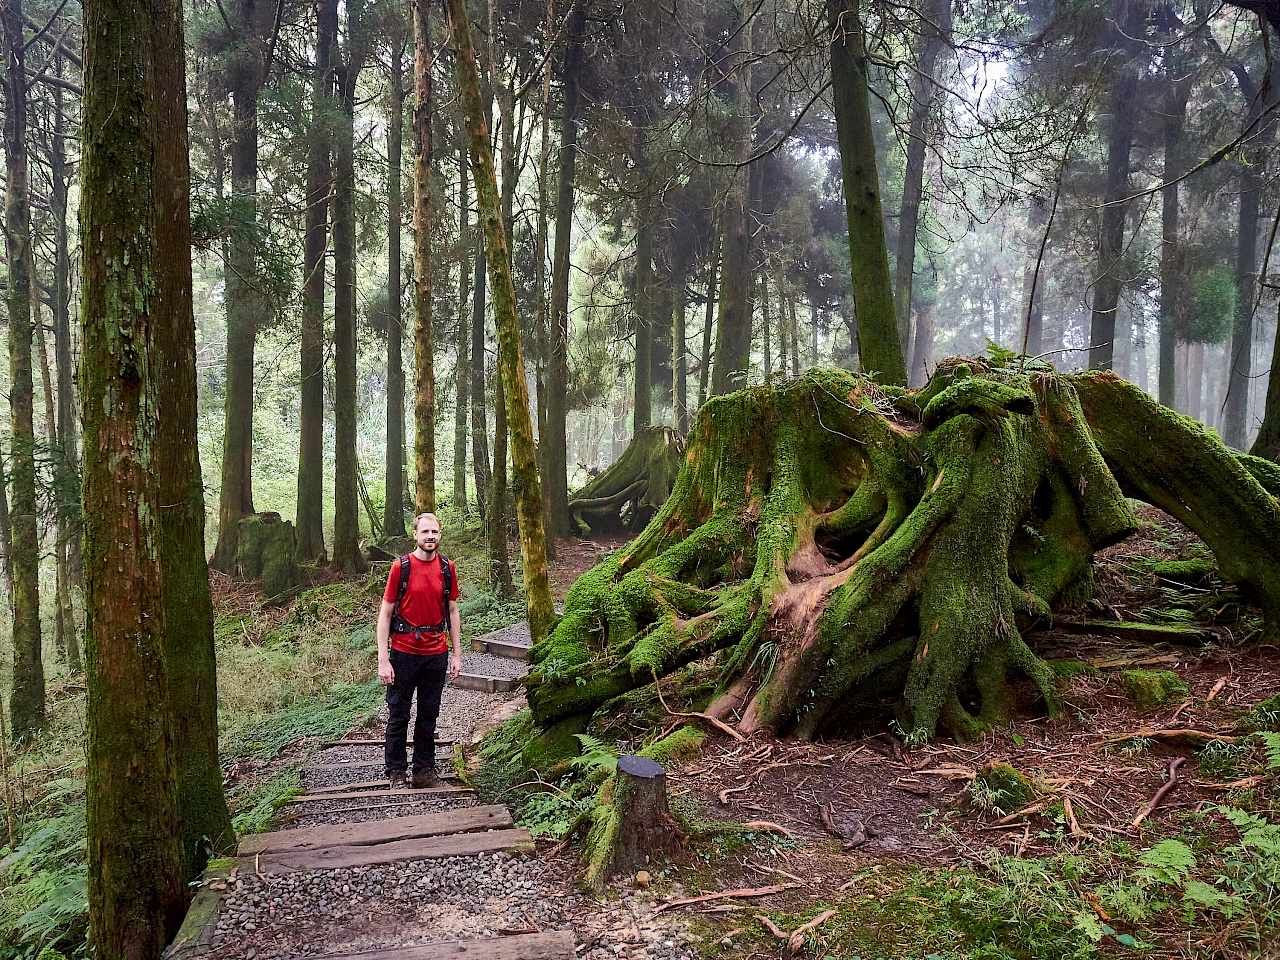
(455, 634)
(385, 673)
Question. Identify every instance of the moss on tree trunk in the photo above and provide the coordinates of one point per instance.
(840, 541)
(635, 486)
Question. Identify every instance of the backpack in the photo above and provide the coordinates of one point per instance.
(399, 624)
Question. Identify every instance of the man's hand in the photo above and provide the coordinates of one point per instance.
(455, 666)
(385, 673)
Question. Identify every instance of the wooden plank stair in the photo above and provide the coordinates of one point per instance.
(549, 945)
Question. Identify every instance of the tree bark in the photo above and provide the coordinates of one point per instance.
(1240, 350)
(708, 322)
(528, 494)
(26, 703)
(6, 533)
(1124, 104)
(555, 441)
(464, 341)
(50, 433)
(1172, 281)
(1267, 444)
(137, 894)
(879, 346)
(245, 305)
(205, 822)
(479, 418)
(935, 34)
(393, 507)
(424, 398)
(1032, 283)
(310, 512)
(642, 308)
(347, 557)
(680, 347)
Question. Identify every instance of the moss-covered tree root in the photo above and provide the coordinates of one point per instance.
(635, 486)
(839, 541)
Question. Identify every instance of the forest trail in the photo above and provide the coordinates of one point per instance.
(357, 870)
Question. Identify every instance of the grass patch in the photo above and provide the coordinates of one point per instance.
(254, 809)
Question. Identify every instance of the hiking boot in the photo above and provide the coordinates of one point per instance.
(425, 779)
(397, 780)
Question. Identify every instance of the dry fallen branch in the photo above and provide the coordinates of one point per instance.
(795, 942)
(724, 794)
(1178, 738)
(729, 894)
(1161, 793)
(719, 725)
(1217, 689)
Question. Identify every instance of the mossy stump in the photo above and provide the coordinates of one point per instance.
(268, 551)
(1153, 688)
(834, 541)
(636, 825)
(634, 487)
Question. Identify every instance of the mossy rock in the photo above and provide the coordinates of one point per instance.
(557, 744)
(1073, 668)
(1000, 788)
(1153, 688)
(683, 743)
(267, 550)
(1264, 718)
(1190, 572)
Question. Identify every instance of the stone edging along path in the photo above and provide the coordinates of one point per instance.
(358, 871)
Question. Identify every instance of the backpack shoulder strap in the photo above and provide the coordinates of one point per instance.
(404, 579)
(446, 577)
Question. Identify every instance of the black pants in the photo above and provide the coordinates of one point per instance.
(426, 676)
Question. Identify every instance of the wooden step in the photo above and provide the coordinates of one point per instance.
(278, 862)
(373, 788)
(444, 772)
(463, 820)
(502, 648)
(373, 743)
(477, 681)
(551, 945)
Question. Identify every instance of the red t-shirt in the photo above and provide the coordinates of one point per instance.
(423, 604)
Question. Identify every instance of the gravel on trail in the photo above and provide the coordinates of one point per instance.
(488, 665)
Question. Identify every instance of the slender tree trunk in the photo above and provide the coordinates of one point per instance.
(1124, 104)
(766, 324)
(879, 346)
(795, 332)
(499, 560)
(1240, 350)
(424, 403)
(935, 34)
(393, 508)
(479, 419)
(6, 532)
(528, 495)
(922, 351)
(543, 322)
(1195, 381)
(205, 821)
(347, 557)
(1032, 284)
(51, 433)
(464, 341)
(680, 348)
(137, 894)
(26, 704)
(244, 309)
(1172, 281)
(66, 467)
(708, 322)
(1267, 444)
(643, 306)
(310, 514)
(554, 442)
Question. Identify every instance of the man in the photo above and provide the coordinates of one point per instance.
(413, 654)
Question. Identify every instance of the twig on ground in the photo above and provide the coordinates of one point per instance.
(724, 794)
(1161, 793)
(719, 725)
(729, 894)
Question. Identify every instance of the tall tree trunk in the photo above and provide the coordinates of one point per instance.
(1172, 281)
(66, 467)
(766, 324)
(244, 310)
(205, 822)
(346, 519)
(137, 894)
(542, 325)
(1240, 350)
(393, 507)
(708, 322)
(528, 495)
(310, 514)
(26, 704)
(1195, 381)
(935, 34)
(795, 331)
(680, 347)
(1124, 104)
(464, 341)
(879, 346)
(1032, 283)
(424, 397)
(499, 560)
(479, 419)
(6, 532)
(1267, 443)
(642, 307)
(554, 442)
(51, 433)
(922, 349)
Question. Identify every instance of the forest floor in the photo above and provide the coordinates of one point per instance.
(895, 850)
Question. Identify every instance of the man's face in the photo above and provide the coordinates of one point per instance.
(427, 535)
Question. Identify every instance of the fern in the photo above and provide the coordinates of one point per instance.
(1271, 743)
(1168, 863)
(596, 756)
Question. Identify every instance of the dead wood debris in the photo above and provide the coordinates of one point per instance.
(1163, 792)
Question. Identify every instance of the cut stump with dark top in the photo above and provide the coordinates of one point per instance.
(645, 825)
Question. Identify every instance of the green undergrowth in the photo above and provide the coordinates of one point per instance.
(254, 808)
(1153, 688)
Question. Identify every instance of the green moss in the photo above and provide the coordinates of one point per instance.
(1153, 688)
(1073, 668)
(1000, 788)
(1183, 571)
(558, 743)
(682, 744)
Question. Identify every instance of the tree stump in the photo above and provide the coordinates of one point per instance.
(645, 824)
(268, 551)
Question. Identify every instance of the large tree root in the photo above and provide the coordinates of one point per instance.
(841, 541)
(634, 487)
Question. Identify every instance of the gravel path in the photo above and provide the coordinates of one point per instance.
(457, 898)
(490, 666)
